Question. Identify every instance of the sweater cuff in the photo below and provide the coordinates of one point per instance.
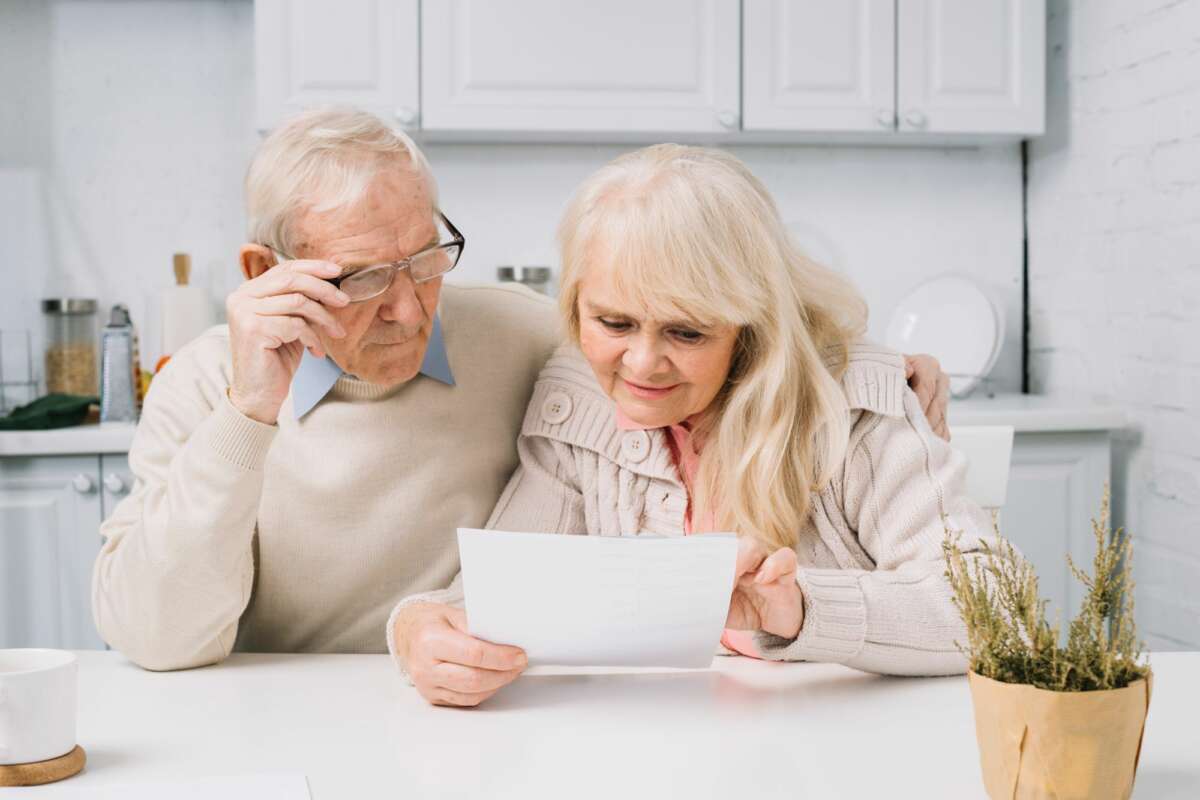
(236, 438)
(835, 620)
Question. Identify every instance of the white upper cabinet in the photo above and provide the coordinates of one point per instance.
(578, 70)
(361, 53)
(578, 65)
(971, 66)
(816, 65)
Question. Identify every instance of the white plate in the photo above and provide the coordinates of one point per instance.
(955, 320)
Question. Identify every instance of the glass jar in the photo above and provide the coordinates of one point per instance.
(71, 349)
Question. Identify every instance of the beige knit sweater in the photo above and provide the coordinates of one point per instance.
(871, 565)
(301, 537)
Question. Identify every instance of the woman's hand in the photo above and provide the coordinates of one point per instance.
(448, 666)
(765, 595)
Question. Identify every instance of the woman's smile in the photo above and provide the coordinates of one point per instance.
(644, 392)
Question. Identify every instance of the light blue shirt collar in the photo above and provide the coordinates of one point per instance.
(316, 376)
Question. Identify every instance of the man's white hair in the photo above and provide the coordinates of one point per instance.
(321, 160)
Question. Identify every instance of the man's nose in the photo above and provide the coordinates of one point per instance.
(643, 356)
(400, 303)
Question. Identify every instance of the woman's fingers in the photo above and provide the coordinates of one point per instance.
(751, 554)
(780, 564)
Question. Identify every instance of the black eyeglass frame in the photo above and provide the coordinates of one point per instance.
(457, 241)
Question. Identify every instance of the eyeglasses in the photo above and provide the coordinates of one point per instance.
(424, 265)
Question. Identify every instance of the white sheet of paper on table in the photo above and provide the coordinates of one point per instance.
(599, 601)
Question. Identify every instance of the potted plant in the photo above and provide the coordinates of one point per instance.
(1053, 720)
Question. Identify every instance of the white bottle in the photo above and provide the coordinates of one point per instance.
(184, 309)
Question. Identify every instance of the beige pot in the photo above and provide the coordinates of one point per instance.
(1034, 743)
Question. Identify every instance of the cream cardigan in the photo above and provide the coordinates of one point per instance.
(871, 565)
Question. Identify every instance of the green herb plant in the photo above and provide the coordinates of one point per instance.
(1008, 637)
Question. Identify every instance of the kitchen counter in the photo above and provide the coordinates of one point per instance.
(1035, 414)
(110, 437)
(1026, 413)
(743, 728)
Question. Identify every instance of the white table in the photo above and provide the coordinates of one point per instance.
(744, 729)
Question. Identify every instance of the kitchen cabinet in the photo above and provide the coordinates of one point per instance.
(1061, 462)
(912, 67)
(971, 66)
(50, 513)
(883, 71)
(812, 65)
(1055, 488)
(549, 65)
(362, 53)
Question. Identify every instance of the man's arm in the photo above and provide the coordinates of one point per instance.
(932, 387)
(176, 571)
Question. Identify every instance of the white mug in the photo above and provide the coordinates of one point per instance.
(37, 705)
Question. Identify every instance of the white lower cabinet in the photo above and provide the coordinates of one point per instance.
(1055, 489)
(51, 508)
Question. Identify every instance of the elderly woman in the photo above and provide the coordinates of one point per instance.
(717, 380)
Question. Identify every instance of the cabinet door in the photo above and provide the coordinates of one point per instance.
(971, 66)
(49, 538)
(578, 65)
(812, 65)
(361, 53)
(1055, 489)
(115, 482)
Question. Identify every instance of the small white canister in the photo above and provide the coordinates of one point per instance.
(37, 705)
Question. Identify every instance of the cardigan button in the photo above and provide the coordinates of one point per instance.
(556, 408)
(635, 446)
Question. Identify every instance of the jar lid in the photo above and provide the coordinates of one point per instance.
(69, 305)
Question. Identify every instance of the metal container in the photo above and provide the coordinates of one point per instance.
(537, 278)
(71, 352)
(118, 396)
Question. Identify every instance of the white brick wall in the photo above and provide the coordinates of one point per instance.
(1114, 271)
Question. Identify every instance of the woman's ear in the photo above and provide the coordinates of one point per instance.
(255, 259)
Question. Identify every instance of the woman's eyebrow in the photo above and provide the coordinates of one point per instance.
(602, 311)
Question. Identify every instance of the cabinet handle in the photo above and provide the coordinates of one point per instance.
(406, 116)
(82, 483)
(886, 118)
(915, 119)
(728, 119)
(115, 484)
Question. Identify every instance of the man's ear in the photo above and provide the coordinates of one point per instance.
(256, 259)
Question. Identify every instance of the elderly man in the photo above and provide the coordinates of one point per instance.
(300, 470)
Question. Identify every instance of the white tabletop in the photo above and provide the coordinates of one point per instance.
(743, 729)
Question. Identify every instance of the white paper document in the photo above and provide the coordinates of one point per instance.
(596, 600)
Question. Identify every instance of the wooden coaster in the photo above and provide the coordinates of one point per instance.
(40, 772)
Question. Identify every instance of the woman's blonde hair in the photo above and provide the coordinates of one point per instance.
(320, 160)
(690, 232)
